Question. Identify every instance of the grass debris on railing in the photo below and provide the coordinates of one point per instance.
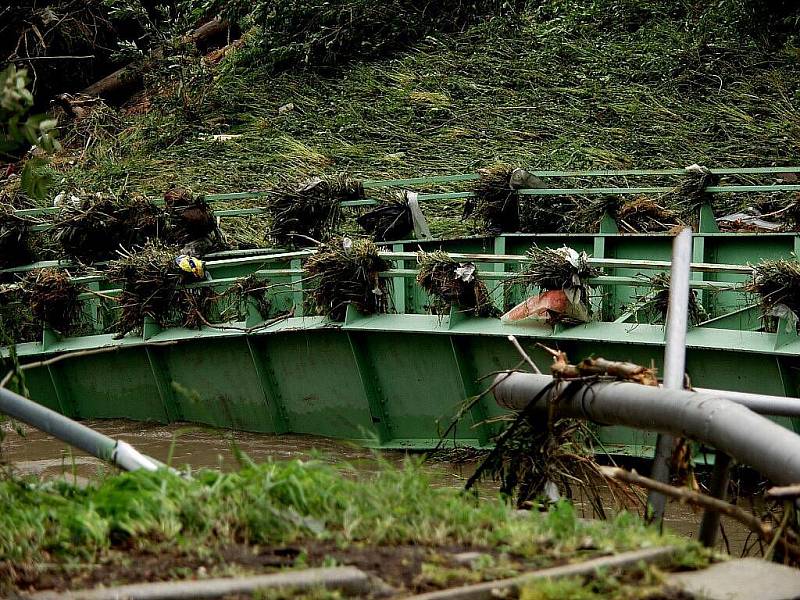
(53, 299)
(495, 203)
(777, 283)
(191, 222)
(309, 213)
(97, 227)
(453, 283)
(249, 291)
(391, 220)
(561, 269)
(346, 271)
(654, 303)
(691, 193)
(14, 238)
(152, 287)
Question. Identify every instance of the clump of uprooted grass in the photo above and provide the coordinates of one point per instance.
(777, 283)
(16, 321)
(98, 227)
(560, 269)
(14, 238)
(278, 503)
(153, 286)
(53, 299)
(451, 283)
(496, 203)
(309, 213)
(346, 272)
(537, 462)
(192, 224)
(392, 220)
(654, 303)
(645, 215)
(691, 194)
(249, 291)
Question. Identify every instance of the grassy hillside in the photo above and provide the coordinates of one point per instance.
(560, 84)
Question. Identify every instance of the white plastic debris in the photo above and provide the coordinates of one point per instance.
(465, 272)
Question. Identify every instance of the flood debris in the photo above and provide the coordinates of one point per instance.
(453, 283)
(309, 213)
(562, 275)
(645, 215)
(346, 272)
(777, 284)
(537, 461)
(192, 224)
(691, 193)
(249, 291)
(16, 321)
(97, 227)
(153, 286)
(496, 203)
(53, 299)
(15, 247)
(747, 219)
(392, 220)
(653, 303)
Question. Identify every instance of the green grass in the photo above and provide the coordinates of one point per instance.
(608, 84)
(277, 503)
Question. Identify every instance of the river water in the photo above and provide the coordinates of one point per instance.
(31, 452)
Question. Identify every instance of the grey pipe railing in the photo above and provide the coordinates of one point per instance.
(763, 404)
(674, 359)
(84, 438)
(729, 427)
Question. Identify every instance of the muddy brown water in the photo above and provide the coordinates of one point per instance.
(32, 452)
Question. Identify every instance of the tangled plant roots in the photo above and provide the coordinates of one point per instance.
(644, 215)
(97, 228)
(16, 321)
(310, 212)
(250, 290)
(53, 299)
(392, 220)
(653, 305)
(691, 194)
(560, 269)
(347, 272)
(192, 224)
(496, 204)
(536, 462)
(14, 238)
(452, 283)
(151, 287)
(777, 283)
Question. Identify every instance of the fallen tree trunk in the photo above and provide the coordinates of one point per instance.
(123, 82)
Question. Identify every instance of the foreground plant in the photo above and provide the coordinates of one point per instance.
(278, 503)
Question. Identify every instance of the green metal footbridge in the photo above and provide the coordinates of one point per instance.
(396, 380)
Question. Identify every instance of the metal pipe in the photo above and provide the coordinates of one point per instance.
(776, 406)
(95, 443)
(674, 360)
(749, 438)
(720, 479)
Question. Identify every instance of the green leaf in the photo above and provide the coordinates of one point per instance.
(35, 180)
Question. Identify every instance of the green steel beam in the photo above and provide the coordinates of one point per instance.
(371, 386)
(163, 382)
(273, 401)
